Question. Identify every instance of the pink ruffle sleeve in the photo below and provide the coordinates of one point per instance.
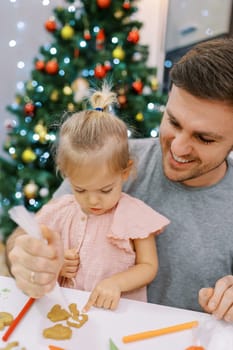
(134, 219)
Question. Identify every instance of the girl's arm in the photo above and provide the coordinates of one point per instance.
(145, 268)
(107, 293)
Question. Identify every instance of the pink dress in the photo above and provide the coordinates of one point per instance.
(103, 242)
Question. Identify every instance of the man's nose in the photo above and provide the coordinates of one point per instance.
(181, 145)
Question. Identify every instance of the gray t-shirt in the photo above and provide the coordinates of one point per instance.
(196, 248)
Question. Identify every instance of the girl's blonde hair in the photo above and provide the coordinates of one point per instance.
(96, 130)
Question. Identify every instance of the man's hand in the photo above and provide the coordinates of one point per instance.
(35, 263)
(219, 300)
(70, 264)
(106, 295)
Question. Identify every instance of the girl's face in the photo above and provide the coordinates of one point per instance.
(96, 189)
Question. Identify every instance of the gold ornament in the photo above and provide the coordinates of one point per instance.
(54, 96)
(139, 117)
(28, 155)
(30, 190)
(154, 83)
(7, 143)
(118, 14)
(29, 86)
(67, 90)
(70, 107)
(41, 130)
(67, 32)
(18, 100)
(119, 53)
(43, 136)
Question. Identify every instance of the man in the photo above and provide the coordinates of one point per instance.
(188, 178)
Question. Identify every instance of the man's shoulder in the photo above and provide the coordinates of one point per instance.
(144, 141)
(230, 159)
(144, 146)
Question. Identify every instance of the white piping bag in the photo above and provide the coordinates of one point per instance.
(213, 334)
(28, 223)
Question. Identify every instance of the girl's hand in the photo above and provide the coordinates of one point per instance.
(106, 295)
(71, 264)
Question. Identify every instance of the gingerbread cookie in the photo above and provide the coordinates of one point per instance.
(57, 314)
(58, 332)
(72, 318)
(76, 316)
(5, 319)
(11, 345)
(74, 310)
(79, 321)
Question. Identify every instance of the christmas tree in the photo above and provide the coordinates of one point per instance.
(91, 41)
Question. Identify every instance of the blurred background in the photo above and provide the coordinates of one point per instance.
(52, 51)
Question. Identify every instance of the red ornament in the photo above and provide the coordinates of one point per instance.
(122, 100)
(133, 36)
(52, 67)
(87, 34)
(50, 25)
(100, 35)
(29, 108)
(76, 52)
(126, 5)
(39, 65)
(100, 39)
(107, 66)
(137, 86)
(103, 3)
(100, 71)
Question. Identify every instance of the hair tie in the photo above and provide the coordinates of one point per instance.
(99, 109)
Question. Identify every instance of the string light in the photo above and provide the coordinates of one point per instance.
(12, 43)
(45, 2)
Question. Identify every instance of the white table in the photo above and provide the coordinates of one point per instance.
(130, 317)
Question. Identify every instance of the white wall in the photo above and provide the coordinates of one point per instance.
(153, 13)
(191, 21)
(32, 35)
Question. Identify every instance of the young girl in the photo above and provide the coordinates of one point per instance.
(108, 235)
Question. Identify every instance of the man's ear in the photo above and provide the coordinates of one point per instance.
(126, 171)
